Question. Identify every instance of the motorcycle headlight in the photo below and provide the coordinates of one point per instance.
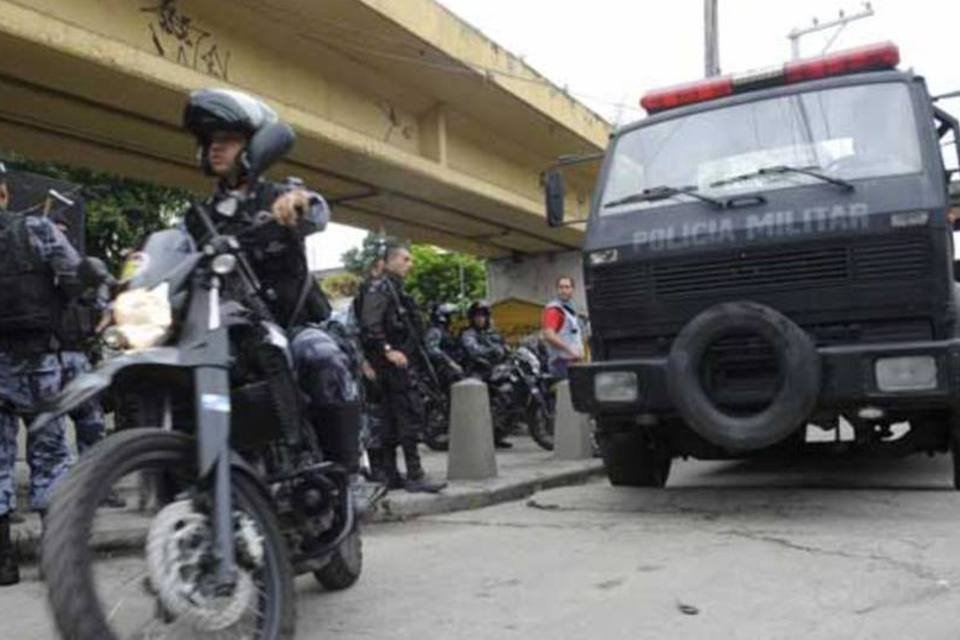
(143, 316)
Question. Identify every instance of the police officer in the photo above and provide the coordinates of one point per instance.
(37, 267)
(392, 333)
(75, 334)
(275, 220)
(482, 345)
(442, 347)
(372, 431)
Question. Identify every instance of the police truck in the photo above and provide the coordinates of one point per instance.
(770, 255)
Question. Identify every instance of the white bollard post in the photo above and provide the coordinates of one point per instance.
(571, 430)
(471, 455)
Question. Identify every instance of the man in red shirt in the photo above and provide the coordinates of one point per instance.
(561, 329)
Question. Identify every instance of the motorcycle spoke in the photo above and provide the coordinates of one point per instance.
(122, 588)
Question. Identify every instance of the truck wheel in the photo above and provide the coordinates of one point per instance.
(634, 459)
(955, 449)
(797, 362)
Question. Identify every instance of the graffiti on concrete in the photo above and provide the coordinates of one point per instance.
(176, 36)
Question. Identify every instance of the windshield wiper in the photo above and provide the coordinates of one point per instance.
(781, 169)
(664, 192)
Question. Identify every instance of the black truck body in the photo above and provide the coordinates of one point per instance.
(733, 308)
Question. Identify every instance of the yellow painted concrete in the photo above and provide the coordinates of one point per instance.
(388, 98)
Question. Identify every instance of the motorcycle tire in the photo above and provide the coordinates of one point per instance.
(345, 566)
(66, 553)
(436, 432)
(541, 428)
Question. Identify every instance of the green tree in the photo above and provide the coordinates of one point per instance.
(119, 211)
(358, 260)
(436, 276)
(341, 285)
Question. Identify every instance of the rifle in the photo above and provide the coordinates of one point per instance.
(405, 316)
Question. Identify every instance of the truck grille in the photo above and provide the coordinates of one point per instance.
(890, 259)
(824, 335)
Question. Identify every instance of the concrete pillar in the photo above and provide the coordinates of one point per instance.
(471, 454)
(571, 430)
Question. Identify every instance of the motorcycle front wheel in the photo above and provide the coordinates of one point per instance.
(540, 424)
(436, 432)
(103, 589)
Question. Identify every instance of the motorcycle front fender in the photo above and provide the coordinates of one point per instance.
(87, 386)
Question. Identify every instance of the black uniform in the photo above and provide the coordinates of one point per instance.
(296, 303)
(443, 349)
(482, 348)
(276, 253)
(371, 392)
(390, 320)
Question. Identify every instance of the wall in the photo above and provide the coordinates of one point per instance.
(533, 278)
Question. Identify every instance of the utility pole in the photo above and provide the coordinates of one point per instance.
(840, 23)
(711, 50)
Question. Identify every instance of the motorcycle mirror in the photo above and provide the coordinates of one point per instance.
(268, 145)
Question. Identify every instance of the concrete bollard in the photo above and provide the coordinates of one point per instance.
(471, 454)
(571, 430)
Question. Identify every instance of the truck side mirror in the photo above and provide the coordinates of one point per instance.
(555, 192)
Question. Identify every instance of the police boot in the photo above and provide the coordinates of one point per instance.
(377, 473)
(417, 480)
(392, 474)
(9, 568)
(338, 430)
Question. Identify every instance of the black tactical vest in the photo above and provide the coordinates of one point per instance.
(275, 252)
(77, 326)
(404, 325)
(29, 300)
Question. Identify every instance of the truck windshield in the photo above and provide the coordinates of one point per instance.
(846, 133)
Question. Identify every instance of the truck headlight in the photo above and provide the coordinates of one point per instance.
(616, 386)
(910, 219)
(908, 373)
(143, 316)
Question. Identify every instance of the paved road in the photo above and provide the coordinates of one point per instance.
(729, 550)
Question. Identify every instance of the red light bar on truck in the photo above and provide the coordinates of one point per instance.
(870, 58)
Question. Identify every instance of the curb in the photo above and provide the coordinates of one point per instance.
(464, 496)
(461, 496)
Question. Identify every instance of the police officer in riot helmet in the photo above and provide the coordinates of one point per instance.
(75, 336)
(275, 220)
(392, 334)
(38, 270)
(483, 346)
(442, 347)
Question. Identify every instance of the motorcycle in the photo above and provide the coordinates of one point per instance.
(519, 390)
(434, 389)
(519, 396)
(212, 415)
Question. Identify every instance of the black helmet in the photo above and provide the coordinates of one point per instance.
(442, 313)
(478, 307)
(210, 110)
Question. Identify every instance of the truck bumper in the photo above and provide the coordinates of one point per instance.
(852, 376)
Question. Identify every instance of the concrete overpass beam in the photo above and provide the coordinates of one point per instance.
(433, 134)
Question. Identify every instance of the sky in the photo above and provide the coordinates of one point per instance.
(608, 53)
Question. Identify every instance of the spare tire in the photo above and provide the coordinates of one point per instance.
(797, 361)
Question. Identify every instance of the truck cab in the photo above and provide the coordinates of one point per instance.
(770, 251)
